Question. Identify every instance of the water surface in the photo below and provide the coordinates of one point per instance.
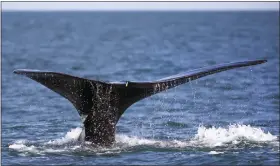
(227, 118)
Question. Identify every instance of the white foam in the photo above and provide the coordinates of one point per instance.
(23, 148)
(210, 137)
(134, 141)
(215, 152)
(70, 136)
(205, 137)
(131, 141)
(17, 146)
(232, 134)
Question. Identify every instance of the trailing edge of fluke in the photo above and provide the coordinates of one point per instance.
(101, 104)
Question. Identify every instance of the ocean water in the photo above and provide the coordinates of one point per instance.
(227, 118)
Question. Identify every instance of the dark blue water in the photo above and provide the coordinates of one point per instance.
(227, 118)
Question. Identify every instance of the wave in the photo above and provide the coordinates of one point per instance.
(211, 137)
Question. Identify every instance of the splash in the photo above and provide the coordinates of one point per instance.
(71, 136)
(211, 137)
(233, 134)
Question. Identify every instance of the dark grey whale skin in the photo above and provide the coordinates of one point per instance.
(101, 104)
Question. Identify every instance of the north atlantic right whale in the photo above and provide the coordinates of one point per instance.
(101, 104)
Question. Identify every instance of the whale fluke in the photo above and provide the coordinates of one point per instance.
(101, 103)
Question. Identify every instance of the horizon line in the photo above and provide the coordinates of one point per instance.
(139, 6)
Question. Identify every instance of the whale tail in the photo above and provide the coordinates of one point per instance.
(103, 103)
(77, 90)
